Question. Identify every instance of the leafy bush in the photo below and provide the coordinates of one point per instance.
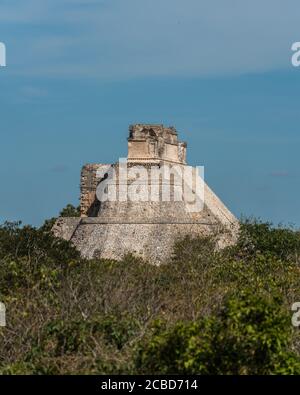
(258, 237)
(27, 241)
(205, 311)
(248, 336)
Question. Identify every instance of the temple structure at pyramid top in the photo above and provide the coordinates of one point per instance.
(155, 143)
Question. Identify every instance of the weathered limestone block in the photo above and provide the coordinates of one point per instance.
(65, 227)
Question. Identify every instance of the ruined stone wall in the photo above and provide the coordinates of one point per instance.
(146, 229)
(89, 181)
(153, 241)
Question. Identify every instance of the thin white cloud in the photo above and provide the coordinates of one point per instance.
(60, 168)
(280, 173)
(33, 92)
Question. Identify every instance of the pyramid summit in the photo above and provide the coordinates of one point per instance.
(155, 143)
(143, 203)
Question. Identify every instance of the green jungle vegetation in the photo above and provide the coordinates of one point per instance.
(203, 312)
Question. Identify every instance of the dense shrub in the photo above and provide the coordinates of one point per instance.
(259, 237)
(249, 335)
(205, 311)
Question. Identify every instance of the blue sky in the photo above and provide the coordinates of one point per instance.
(80, 71)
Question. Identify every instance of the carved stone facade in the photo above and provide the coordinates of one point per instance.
(146, 228)
(155, 143)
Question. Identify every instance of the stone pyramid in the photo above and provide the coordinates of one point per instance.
(143, 203)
